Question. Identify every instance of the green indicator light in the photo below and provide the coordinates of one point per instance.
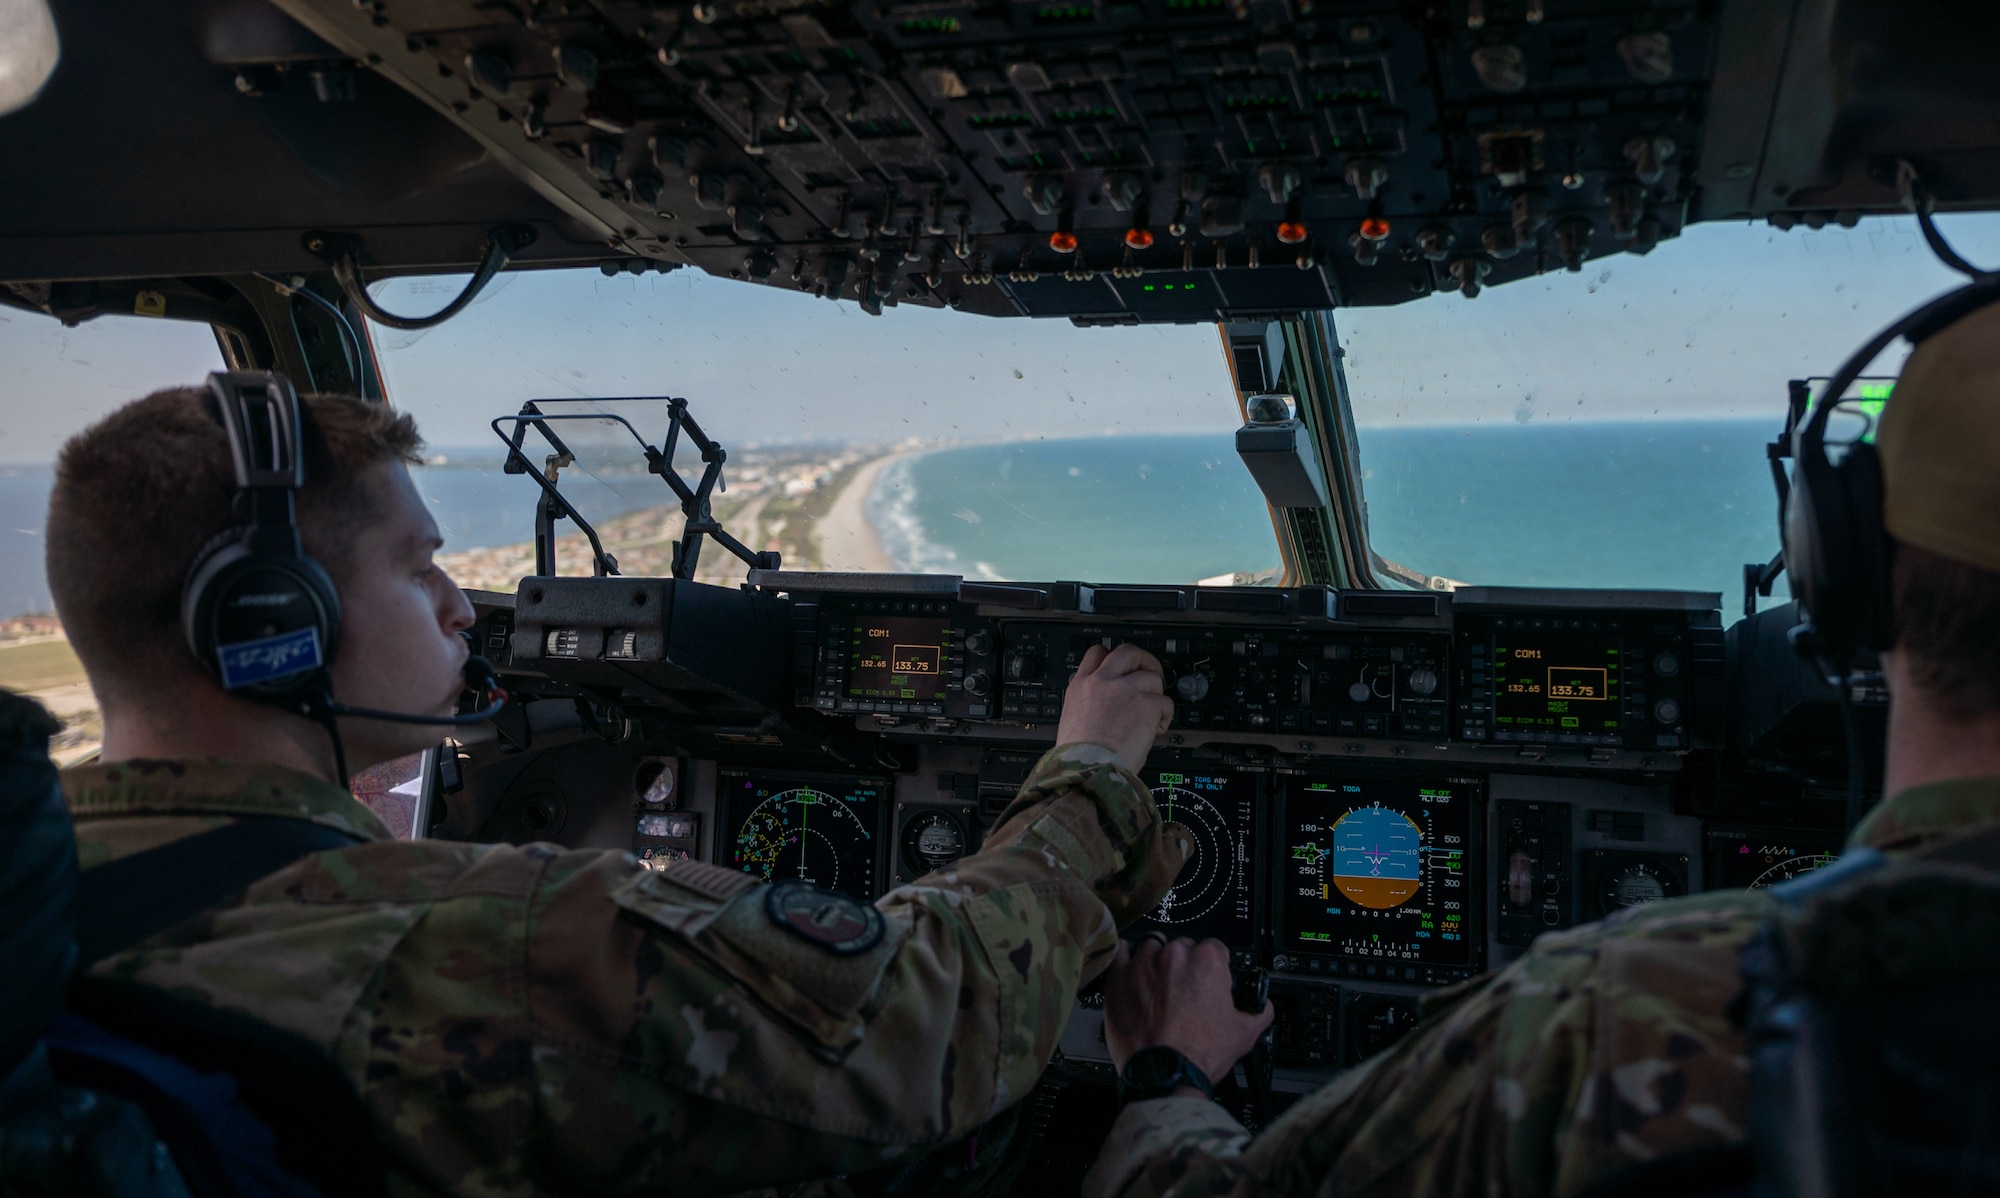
(1876, 391)
(1149, 286)
(1239, 103)
(1871, 409)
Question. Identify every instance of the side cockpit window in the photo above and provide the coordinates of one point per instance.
(58, 381)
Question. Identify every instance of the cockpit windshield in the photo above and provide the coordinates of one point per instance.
(1608, 428)
(917, 441)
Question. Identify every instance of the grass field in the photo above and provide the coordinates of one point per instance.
(39, 666)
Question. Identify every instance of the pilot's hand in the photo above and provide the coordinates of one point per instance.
(1116, 699)
(1176, 993)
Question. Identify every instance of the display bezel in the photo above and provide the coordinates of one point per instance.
(726, 813)
(1352, 965)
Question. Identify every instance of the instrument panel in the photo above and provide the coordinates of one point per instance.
(1386, 792)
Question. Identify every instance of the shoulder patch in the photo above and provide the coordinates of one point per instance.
(841, 924)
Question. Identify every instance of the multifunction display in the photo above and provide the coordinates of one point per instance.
(1604, 679)
(897, 655)
(1211, 898)
(898, 658)
(1753, 858)
(824, 829)
(1545, 683)
(1378, 869)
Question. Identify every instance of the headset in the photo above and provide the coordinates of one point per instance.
(1837, 549)
(258, 612)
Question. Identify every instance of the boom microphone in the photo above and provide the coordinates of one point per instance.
(479, 676)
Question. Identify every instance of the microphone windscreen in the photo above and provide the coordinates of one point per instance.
(479, 675)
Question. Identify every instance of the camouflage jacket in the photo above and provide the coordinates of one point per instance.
(532, 1019)
(1600, 1049)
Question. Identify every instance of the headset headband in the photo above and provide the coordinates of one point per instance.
(259, 412)
(1918, 326)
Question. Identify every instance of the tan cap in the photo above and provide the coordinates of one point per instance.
(1940, 444)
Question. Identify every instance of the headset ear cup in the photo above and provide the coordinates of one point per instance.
(198, 593)
(237, 597)
(1838, 552)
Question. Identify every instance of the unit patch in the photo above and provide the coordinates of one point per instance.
(841, 924)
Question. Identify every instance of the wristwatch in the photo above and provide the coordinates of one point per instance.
(1157, 1072)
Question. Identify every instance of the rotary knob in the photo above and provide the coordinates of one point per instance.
(1666, 665)
(977, 683)
(1667, 711)
(1192, 687)
(1023, 665)
(979, 644)
(1423, 681)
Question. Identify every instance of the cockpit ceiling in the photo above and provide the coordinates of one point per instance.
(1107, 160)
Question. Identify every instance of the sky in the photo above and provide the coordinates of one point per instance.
(1710, 324)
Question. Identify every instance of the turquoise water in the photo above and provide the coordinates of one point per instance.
(1677, 504)
(1638, 504)
(1160, 509)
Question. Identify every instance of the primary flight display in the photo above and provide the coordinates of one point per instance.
(1378, 868)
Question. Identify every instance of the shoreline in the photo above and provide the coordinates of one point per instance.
(847, 537)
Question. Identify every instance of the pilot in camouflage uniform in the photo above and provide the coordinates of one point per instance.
(524, 1019)
(1610, 1048)
(1603, 1048)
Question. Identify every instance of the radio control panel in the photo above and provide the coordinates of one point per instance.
(903, 655)
(1250, 678)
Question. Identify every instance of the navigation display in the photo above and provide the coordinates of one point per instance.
(1211, 898)
(1751, 859)
(826, 830)
(1558, 684)
(897, 657)
(1377, 868)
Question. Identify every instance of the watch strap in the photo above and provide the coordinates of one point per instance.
(1157, 1072)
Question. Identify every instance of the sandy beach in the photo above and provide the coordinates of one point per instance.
(847, 537)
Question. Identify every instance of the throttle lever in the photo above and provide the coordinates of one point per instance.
(1250, 990)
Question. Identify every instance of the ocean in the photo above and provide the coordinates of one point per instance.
(1673, 504)
(1653, 504)
(1102, 509)
(1679, 505)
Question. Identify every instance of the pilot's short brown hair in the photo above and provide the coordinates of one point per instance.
(1947, 616)
(141, 493)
